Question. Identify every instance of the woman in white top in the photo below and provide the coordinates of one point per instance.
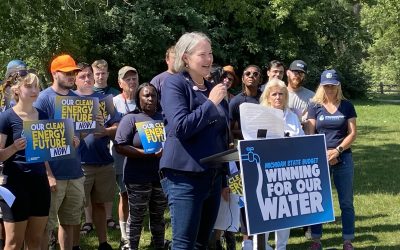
(276, 95)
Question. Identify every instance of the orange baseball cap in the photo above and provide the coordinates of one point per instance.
(63, 63)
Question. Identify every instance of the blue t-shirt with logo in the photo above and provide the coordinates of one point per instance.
(334, 126)
(96, 151)
(12, 126)
(62, 169)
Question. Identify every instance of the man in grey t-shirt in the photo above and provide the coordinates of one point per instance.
(299, 97)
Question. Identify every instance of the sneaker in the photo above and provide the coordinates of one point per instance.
(124, 244)
(167, 244)
(247, 245)
(104, 246)
(347, 246)
(307, 233)
(315, 246)
(268, 247)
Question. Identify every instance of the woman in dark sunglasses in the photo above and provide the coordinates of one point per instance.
(26, 219)
(14, 69)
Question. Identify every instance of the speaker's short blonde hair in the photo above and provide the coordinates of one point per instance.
(185, 44)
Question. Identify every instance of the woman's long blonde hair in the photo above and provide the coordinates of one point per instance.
(270, 84)
(320, 97)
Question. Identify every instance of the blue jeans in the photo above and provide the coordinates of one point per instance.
(343, 174)
(193, 200)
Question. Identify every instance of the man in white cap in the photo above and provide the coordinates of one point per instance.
(128, 80)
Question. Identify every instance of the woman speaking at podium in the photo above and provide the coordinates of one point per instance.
(196, 124)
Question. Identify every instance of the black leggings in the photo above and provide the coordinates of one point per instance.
(141, 197)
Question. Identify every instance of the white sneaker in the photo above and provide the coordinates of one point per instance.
(255, 244)
(247, 245)
(268, 247)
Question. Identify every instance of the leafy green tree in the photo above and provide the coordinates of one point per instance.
(38, 31)
(324, 33)
(382, 18)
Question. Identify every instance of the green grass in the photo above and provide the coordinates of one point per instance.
(377, 186)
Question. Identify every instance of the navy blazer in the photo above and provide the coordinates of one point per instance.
(195, 127)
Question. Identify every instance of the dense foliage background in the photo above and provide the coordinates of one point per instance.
(360, 38)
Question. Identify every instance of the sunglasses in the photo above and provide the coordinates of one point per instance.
(24, 72)
(18, 75)
(252, 74)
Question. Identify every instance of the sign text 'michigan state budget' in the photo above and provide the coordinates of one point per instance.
(286, 182)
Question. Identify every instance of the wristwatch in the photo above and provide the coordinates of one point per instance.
(340, 149)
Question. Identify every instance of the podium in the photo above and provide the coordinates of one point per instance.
(227, 156)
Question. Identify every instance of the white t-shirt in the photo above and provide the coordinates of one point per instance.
(122, 106)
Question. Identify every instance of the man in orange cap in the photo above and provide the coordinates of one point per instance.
(67, 194)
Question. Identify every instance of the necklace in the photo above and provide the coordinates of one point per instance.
(198, 84)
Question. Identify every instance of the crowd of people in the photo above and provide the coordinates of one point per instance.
(201, 116)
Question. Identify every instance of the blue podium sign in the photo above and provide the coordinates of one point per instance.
(286, 183)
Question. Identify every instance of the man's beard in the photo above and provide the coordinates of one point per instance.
(65, 85)
(295, 84)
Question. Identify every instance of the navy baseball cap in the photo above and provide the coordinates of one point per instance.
(330, 77)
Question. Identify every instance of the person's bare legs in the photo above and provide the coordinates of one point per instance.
(15, 233)
(34, 232)
(45, 240)
(123, 212)
(99, 220)
(109, 207)
(65, 236)
(88, 213)
(77, 236)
